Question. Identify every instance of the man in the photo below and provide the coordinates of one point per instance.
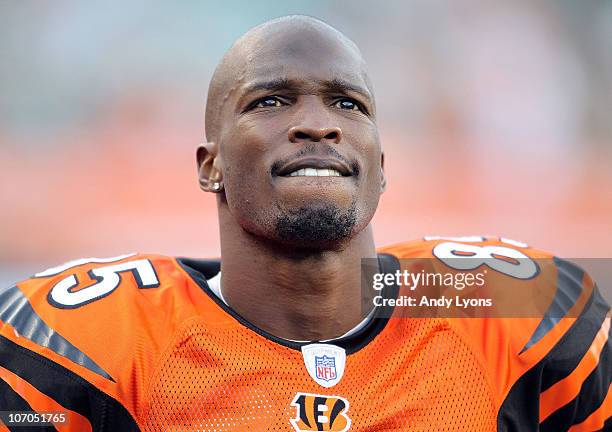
(278, 335)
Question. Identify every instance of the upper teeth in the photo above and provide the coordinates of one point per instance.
(315, 172)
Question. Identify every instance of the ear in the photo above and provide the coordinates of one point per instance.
(383, 178)
(209, 172)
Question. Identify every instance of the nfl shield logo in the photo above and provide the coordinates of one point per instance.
(325, 363)
(326, 368)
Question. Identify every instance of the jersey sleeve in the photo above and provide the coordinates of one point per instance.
(83, 338)
(549, 375)
(575, 374)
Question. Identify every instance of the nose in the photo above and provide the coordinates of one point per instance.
(303, 134)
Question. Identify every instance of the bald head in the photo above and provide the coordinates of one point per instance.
(291, 38)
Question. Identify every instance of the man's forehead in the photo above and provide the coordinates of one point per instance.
(301, 54)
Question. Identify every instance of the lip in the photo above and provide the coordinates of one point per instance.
(311, 162)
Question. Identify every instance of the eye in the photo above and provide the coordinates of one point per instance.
(347, 104)
(267, 102)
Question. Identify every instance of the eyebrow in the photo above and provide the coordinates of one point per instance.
(334, 85)
(271, 85)
(343, 86)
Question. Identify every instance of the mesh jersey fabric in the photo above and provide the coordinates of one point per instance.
(222, 379)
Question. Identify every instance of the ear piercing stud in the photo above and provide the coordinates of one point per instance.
(216, 186)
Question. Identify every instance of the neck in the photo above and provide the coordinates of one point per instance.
(314, 295)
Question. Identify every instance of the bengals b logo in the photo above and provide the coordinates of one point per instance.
(320, 413)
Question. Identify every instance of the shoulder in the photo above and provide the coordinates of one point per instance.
(521, 281)
(95, 313)
(524, 281)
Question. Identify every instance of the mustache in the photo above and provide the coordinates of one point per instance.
(318, 149)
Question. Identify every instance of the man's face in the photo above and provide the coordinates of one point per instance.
(298, 144)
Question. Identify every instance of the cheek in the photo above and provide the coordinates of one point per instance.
(243, 144)
(244, 151)
(251, 140)
(367, 145)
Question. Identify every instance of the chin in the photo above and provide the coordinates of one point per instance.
(320, 225)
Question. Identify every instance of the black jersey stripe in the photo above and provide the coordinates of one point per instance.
(569, 287)
(16, 310)
(520, 410)
(10, 400)
(67, 388)
(591, 396)
(571, 350)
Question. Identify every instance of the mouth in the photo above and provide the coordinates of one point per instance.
(315, 167)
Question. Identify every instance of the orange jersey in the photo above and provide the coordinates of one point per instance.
(139, 342)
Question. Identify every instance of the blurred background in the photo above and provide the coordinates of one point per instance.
(495, 116)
